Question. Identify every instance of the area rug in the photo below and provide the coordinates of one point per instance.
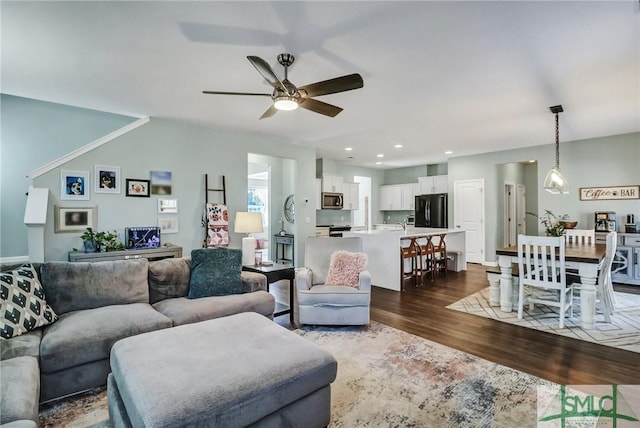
(386, 378)
(623, 332)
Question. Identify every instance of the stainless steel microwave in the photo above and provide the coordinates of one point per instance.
(332, 201)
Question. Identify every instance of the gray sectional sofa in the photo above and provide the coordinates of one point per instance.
(98, 304)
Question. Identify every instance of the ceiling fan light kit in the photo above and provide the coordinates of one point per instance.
(555, 182)
(285, 103)
(286, 96)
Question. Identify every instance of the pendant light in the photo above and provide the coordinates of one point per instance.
(555, 182)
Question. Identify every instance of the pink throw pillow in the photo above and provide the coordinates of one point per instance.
(345, 267)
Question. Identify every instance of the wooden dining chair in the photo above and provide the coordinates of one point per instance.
(541, 262)
(605, 297)
(580, 236)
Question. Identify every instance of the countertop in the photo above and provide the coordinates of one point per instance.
(409, 233)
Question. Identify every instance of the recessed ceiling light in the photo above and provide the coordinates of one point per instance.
(378, 163)
(380, 155)
(532, 161)
(398, 146)
(348, 148)
(448, 152)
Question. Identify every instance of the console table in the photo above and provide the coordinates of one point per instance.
(164, 252)
(284, 244)
(275, 273)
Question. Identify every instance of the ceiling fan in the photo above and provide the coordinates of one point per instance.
(286, 96)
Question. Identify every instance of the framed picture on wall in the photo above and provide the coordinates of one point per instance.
(74, 185)
(167, 206)
(140, 188)
(107, 179)
(74, 219)
(168, 224)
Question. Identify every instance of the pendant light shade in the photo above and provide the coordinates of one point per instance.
(555, 182)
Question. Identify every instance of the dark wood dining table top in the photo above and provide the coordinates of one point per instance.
(581, 253)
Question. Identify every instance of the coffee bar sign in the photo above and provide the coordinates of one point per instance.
(609, 193)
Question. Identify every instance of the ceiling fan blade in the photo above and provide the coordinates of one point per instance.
(332, 86)
(267, 72)
(270, 112)
(319, 107)
(235, 93)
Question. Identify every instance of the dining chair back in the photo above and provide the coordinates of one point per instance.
(580, 236)
(541, 262)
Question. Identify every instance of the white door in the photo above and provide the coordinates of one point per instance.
(521, 209)
(468, 214)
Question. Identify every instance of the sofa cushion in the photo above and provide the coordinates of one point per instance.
(83, 285)
(84, 336)
(345, 267)
(22, 302)
(185, 311)
(215, 272)
(25, 345)
(19, 389)
(169, 278)
(333, 295)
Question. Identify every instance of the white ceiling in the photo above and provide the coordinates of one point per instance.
(469, 77)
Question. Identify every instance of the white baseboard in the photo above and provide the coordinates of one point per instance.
(13, 260)
(492, 264)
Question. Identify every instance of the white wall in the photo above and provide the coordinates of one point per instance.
(188, 152)
(35, 133)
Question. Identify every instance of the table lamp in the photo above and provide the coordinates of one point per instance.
(248, 223)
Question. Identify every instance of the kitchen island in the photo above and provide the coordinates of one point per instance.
(383, 250)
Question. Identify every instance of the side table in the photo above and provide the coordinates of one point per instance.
(275, 273)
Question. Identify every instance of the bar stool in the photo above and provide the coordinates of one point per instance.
(426, 259)
(409, 252)
(440, 255)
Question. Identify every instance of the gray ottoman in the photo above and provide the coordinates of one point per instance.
(236, 371)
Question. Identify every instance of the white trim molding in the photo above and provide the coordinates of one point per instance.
(14, 260)
(87, 148)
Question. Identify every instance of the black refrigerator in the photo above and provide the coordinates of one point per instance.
(431, 210)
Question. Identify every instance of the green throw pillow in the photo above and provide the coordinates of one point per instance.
(215, 272)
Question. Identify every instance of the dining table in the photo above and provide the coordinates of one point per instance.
(585, 258)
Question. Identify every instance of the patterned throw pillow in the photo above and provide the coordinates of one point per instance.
(22, 303)
(345, 268)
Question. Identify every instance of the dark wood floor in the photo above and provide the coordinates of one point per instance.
(422, 311)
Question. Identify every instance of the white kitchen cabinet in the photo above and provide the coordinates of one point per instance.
(332, 183)
(398, 197)
(351, 192)
(433, 184)
(409, 192)
(390, 197)
(318, 193)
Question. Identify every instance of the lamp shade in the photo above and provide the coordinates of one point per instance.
(248, 222)
(555, 182)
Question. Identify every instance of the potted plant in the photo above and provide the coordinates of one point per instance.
(96, 242)
(554, 225)
(89, 241)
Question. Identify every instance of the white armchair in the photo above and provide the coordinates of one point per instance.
(331, 304)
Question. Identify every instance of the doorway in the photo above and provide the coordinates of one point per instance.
(361, 217)
(258, 197)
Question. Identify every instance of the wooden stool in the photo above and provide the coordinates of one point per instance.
(409, 252)
(440, 255)
(426, 259)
